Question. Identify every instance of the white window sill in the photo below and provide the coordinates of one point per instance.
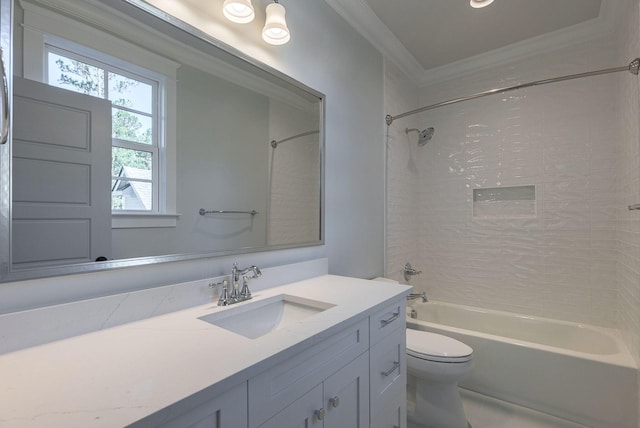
(133, 220)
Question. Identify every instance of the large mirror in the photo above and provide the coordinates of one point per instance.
(138, 139)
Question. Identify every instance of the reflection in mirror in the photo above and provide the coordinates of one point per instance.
(125, 130)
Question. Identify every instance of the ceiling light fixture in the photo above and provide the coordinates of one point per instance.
(240, 11)
(480, 3)
(275, 31)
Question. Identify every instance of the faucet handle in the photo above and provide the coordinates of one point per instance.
(224, 299)
(214, 285)
(245, 294)
(257, 273)
(409, 271)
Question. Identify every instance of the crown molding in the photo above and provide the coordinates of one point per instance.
(360, 16)
(605, 24)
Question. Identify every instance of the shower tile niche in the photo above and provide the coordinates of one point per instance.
(505, 202)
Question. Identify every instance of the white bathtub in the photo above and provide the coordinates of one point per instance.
(577, 372)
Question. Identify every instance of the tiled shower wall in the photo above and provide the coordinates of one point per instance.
(402, 216)
(559, 260)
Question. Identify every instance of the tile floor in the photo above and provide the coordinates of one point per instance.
(487, 412)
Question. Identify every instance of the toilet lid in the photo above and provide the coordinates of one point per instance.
(436, 347)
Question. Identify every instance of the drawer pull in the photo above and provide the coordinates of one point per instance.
(334, 402)
(390, 320)
(320, 414)
(396, 365)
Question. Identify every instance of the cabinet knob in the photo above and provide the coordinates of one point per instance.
(320, 414)
(335, 401)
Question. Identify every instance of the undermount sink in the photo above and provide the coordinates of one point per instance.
(256, 318)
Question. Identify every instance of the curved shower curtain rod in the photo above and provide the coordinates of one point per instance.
(633, 67)
(275, 143)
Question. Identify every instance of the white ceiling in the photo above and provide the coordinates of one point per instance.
(432, 40)
(439, 32)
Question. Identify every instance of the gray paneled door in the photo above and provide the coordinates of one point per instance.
(61, 210)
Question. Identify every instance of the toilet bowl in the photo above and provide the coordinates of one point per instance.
(435, 364)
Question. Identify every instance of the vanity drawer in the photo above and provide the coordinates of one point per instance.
(388, 319)
(388, 378)
(281, 385)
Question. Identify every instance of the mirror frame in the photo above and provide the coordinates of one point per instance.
(149, 14)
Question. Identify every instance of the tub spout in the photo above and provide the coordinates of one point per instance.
(413, 296)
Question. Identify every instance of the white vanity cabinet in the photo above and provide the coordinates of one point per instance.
(388, 377)
(352, 378)
(324, 386)
(337, 383)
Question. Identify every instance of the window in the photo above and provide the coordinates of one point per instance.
(136, 138)
(144, 187)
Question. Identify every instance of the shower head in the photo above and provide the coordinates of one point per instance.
(423, 136)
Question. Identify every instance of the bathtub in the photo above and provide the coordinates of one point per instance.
(578, 372)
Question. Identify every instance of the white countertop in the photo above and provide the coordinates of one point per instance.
(117, 376)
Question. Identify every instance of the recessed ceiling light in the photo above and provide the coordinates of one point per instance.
(480, 3)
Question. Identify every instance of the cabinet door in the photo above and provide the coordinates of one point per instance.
(346, 395)
(279, 386)
(301, 413)
(229, 410)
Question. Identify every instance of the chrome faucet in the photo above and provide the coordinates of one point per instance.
(235, 295)
(238, 295)
(413, 296)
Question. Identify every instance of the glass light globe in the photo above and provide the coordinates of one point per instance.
(240, 11)
(275, 29)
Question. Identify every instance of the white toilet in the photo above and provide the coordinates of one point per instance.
(435, 364)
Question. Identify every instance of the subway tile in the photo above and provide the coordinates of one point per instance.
(579, 258)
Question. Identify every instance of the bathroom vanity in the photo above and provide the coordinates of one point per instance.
(333, 355)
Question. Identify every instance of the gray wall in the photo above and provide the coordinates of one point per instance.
(328, 55)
